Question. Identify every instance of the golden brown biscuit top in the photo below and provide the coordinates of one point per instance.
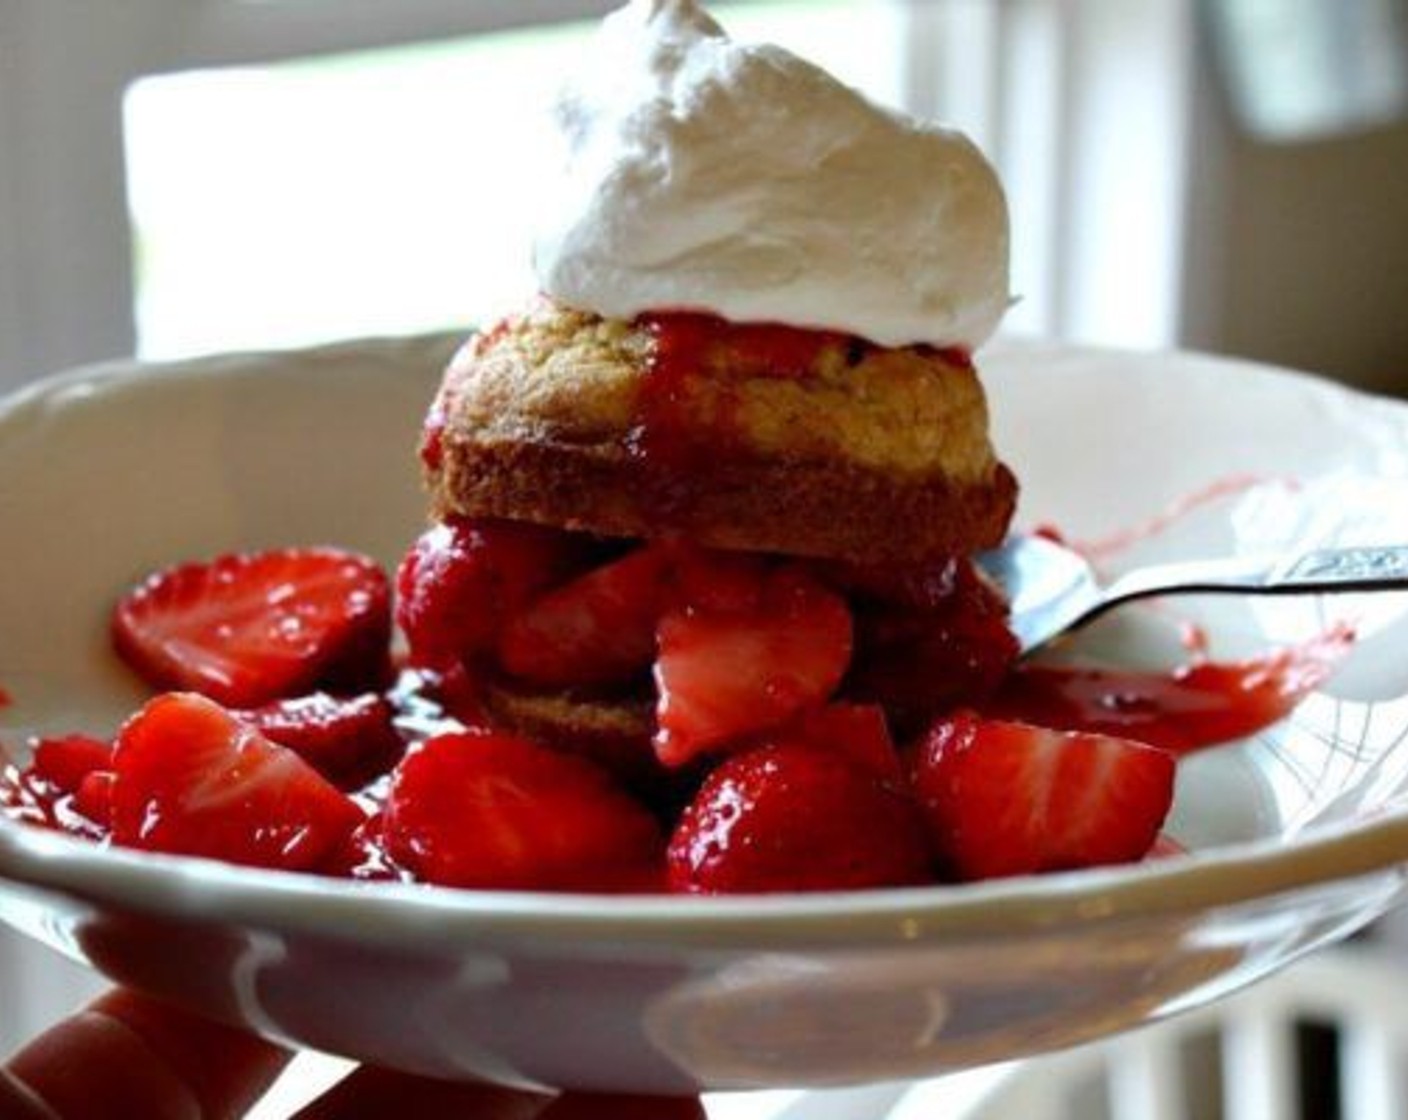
(751, 436)
(571, 376)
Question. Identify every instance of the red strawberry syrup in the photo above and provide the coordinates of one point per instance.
(690, 346)
(686, 415)
(691, 343)
(1186, 709)
(692, 352)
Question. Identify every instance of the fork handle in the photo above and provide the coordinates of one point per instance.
(1363, 567)
(1356, 568)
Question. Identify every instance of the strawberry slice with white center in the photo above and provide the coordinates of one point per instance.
(723, 674)
(598, 629)
(247, 628)
(1004, 798)
(191, 778)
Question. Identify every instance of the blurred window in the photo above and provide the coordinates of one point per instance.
(384, 191)
(191, 175)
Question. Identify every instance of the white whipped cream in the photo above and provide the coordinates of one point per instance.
(709, 175)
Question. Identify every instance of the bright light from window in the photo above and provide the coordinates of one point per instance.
(379, 193)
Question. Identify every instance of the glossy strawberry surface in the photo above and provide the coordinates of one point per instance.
(190, 777)
(462, 578)
(722, 674)
(792, 816)
(597, 629)
(1005, 798)
(491, 810)
(349, 740)
(247, 628)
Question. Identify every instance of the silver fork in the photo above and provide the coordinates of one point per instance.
(1053, 590)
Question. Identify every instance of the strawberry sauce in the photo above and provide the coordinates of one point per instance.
(688, 404)
(687, 411)
(687, 414)
(1189, 708)
(690, 342)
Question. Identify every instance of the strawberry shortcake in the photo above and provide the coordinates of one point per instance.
(697, 607)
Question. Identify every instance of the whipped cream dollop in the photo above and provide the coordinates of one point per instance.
(708, 175)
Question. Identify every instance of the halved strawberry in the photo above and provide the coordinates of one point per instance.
(93, 798)
(363, 855)
(725, 674)
(856, 731)
(463, 577)
(488, 810)
(597, 629)
(247, 628)
(1004, 798)
(928, 640)
(191, 778)
(347, 740)
(796, 817)
(65, 760)
(716, 581)
(50, 790)
(928, 586)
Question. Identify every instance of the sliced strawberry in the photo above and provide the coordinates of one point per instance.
(1007, 798)
(191, 778)
(795, 817)
(712, 580)
(857, 731)
(93, 798)
(65, 760)
(917, 671)
(930, 586)
(928, 640)
(462, 578)
(488, 810)
(725, 674)
(247, 628)
(49, 790)
(347, 740)
(363, 855)
(598, 629)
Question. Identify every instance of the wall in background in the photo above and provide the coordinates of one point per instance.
(1298, 252)
(1317, 260)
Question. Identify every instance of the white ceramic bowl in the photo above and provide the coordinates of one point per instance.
(1298, 837)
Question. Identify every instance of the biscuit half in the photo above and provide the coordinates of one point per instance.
(563, 418)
